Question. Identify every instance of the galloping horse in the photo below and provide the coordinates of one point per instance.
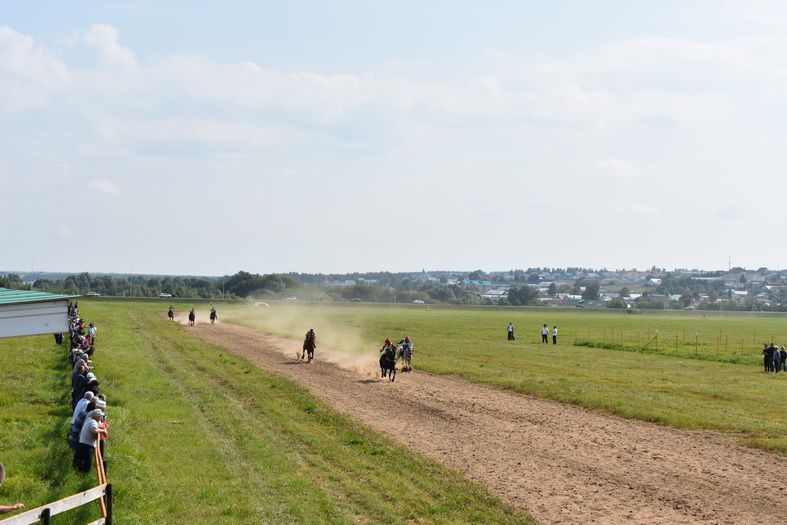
(405, 353)
(388, 362)
(171, 313)
(213, 315)
(192, 317)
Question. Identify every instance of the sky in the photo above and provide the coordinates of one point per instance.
(305, 136)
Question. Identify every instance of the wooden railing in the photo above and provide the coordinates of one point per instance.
(44, 513)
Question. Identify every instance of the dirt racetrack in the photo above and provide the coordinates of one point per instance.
(561, 463)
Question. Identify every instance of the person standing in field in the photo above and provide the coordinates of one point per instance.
(545, 334)
(783, 359)
(91, 429)
(766, 357)
(510, 332)
(554, 335)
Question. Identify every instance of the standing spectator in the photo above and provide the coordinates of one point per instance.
(766, 357)
(91, 429)
(554, 335)
(91, 333)
(545, 334)
(783, 359)
(510, 332)
(775, 358)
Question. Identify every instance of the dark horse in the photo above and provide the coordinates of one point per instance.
(309, 344)
(192, 317)
(388, 363)
(213, 315)
(171, 314)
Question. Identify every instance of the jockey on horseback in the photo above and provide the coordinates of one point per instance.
(309, 344)
(171, 313)
(213, 315)
(388, 348)
(406, 352)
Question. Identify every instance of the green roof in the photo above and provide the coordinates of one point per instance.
(8, 296)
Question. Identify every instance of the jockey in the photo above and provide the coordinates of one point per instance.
(406, 342)
(388, 347)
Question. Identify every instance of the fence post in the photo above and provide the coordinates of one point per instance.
(46, 517)
(590, 334)
(605, 336)
(676, 343)
(108, 521)
(696, 342)
(576, 334)
(726, 344)
(638, 347)
(717, 346)
(741, 348)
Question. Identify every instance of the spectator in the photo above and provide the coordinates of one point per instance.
(91, 429)
(76, 425)
(91, 333)
(545, 334)
(554, 335)
(510, 332)
(783, 359)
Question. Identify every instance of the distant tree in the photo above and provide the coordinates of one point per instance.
(522, 296)
(477, 275)
(552, 289)
(533, 278)
(616, 303)
(624, 292)
(592, 291)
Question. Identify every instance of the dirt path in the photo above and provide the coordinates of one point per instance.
(561, 463)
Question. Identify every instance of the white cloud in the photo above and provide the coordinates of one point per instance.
(103, 186)
(29, 74)
(63, 231)
(104, 38)
(616, 168)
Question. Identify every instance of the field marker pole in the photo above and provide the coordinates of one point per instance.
(726, 343)
(717, 346)
(576, 334)
(676, 343)
(684, 335)
(605, 336)
(741, 348)
(638, 347)
(754, 339)
(590, 334)
(696, 343)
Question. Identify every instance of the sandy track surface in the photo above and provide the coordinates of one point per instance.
(561, 463)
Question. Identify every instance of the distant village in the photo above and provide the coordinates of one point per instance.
(656, 288)
(734, 289)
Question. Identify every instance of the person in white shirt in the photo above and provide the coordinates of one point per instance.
(545, 334)
(510, 332)
(554, 335)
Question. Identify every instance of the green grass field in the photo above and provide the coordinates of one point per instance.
(691, 387)
(198, 435)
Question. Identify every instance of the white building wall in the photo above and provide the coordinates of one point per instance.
(33, 318)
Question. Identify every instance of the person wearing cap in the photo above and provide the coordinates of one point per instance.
(76, 424)
(88, 436)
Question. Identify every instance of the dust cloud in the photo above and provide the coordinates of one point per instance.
(337, 345)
